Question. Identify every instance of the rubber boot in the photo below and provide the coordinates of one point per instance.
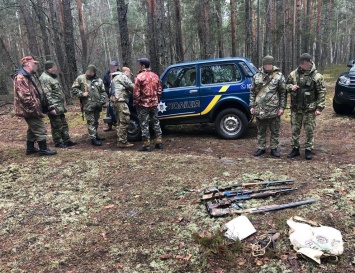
(146, 147)
(30, 149)
(43, 149)
(308, 154)
(275, 153)
(159, 142)
(295, 152)
(96, 142)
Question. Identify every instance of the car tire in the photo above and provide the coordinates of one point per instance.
(134, 133)
(231, 123)
(342, 109)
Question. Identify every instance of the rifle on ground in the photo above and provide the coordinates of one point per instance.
(210, 190)
(227, 202)
(216, 212)
(217, 195)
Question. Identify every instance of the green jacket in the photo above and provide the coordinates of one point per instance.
(53, 92)
(311, 94)
(96, 89)
(121, 86)
(268, 93)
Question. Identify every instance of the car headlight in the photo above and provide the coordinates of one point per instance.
(344, 80)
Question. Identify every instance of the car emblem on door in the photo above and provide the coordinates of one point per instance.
(161, 107)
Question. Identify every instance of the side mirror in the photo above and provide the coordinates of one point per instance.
(351, 63)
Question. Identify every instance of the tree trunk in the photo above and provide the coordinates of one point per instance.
(160, 30)
(152, 39)
(219, 18)
(266, 49)
(122, 8)
(30, 27)
(84, 51)
(248, 29)
(317, 54)
(233, 28)
(178, 32)
(42, 24)
(69, 41)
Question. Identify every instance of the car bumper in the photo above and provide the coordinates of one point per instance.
(344, 95)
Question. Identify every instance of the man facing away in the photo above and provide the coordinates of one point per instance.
(121, 88)
(267, 103)
(91, 91)
(113, 67)
(146, 96)
(307, 90)
(30, 104)
(56, 105)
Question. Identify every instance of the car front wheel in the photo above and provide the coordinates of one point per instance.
(134, 130)
(342, 109)
(231, 123)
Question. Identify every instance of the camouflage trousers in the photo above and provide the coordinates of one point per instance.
(274, 126)
(123, 119)
(59, 128)
(92, 119)
(308, 119)
(145, 115)
(36, 129)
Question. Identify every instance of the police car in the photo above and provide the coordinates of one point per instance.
(344, 96)
(205, 91)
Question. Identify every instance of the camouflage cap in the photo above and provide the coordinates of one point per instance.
(92, 67)
(49, 64)
(144, 61)
(268, 60)
(306, 57)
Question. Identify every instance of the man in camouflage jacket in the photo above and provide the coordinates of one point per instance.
(30, 104)
(91, 91)
(121, 87)
(146, 96)
(56, 105)
(267, 103)
(307, 90)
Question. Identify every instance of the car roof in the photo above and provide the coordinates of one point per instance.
(211, 61)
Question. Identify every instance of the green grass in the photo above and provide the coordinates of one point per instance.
(332, 72)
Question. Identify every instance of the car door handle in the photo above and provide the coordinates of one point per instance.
(193, 91)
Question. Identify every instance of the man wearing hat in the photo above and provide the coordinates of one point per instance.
(30, 104)
(267, 103)
(56, 105)
(91, 91)
(121, 88)
(307, 90)
(146, 97)
(113, 67)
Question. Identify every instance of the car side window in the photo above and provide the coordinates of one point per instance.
(180, 77)
(222, 73)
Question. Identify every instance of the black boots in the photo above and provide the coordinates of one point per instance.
(275, 153)
(31, 148)
(146, 147)
(259, 152)
(308, 154)
(96, 142)
(294, 153)
(159, 142)
(61, 145)
(70, 143)
(43, 149)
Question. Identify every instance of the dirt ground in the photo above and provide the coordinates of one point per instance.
(102, 209)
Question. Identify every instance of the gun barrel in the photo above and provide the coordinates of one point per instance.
(282, 206)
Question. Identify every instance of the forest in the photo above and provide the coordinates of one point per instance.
(76, 33)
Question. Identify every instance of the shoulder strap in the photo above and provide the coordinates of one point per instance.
(266, 84)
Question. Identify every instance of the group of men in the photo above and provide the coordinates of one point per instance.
(35, 97)
(268, 96)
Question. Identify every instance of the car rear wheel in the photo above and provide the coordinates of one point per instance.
(342, 109)
(134, 130)
(231, 123)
